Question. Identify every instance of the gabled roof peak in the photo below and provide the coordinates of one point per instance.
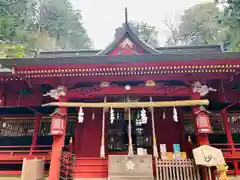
(126, 33)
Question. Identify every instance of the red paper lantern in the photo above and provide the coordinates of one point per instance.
(203, 123)
(57, 126)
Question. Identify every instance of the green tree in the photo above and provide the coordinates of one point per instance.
(40, 24)
(230, 20)
(144, 31)
(8, 50)
(62, 22)
(200, 24)
(173, 38)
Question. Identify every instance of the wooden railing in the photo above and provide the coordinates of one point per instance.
(177, 170)
(14, 155)
(231, 153)
(8, 153)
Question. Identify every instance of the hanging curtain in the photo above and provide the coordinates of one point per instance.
(155, 152)
(102, 148)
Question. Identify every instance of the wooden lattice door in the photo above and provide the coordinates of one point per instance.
(117, 133)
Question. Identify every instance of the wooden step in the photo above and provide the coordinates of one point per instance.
(91, 167)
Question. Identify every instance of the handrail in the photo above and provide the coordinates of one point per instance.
(36, 146)
(227, 146)
(19, 152)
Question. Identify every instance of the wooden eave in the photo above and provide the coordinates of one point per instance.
(139, 65)
(108, 60)
(162, 50)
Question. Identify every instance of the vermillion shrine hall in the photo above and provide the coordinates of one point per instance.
(127, 100)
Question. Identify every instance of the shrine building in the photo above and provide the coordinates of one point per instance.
(125, 100)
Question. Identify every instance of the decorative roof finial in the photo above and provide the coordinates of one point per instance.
(126, 15)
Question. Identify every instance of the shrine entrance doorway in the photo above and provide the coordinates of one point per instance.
(141, 132)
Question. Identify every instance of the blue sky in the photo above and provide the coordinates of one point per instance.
(102, 17)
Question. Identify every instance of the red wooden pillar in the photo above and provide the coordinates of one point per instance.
(36, 130)
(228, 132)
(201, 139)
(58, 142)
(227, 128)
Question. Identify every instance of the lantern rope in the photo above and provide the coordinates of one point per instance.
(155, 152)
(102, 148)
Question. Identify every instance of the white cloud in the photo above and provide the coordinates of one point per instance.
(102, 17)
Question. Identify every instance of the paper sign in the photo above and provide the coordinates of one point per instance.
(176, 148)
(163, 148)
(177, 156)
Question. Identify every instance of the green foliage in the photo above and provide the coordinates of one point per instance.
(12, 51)
(145, 32)
(231, 21)
(40, 24)
(200, 24)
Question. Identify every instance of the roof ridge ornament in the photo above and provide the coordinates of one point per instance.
(126, 15)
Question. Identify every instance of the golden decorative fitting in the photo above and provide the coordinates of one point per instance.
(70, 140)
(222, 170)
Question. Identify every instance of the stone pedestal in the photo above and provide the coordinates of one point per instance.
(130, 168)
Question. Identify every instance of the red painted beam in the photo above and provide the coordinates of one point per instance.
(89, 92)
(69, 81)
(36, 131)
(167, 62)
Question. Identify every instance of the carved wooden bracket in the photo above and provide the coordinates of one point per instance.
(203, 90)
(61, 91)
